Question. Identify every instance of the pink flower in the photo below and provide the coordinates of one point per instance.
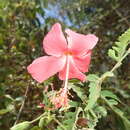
(75, 51)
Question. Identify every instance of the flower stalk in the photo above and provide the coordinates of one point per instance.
(67, 74)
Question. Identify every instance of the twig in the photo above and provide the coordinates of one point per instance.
(22, 106)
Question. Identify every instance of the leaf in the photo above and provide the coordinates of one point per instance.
(21, 126)
(9, 97)
(111, 53)
(112, 102)
(94, 91)
(92, 77)
(121, 115)
(70, 120)
(120, 46)
(3, 111)
(36, 128)
(73, 103)
(106, 93)
(101, 111)
(79, 91)
(42, 122)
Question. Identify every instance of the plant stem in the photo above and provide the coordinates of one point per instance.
(38, 118)
(67, 74)
(112, 70)
(102, 78)
(22, 106)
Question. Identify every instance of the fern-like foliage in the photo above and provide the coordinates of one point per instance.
(120, 46)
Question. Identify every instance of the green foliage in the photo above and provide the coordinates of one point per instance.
(79, 91)
(69, 121)
(118, 112)
(121, 115)
(109, 94)
(21, 35)
(42, 122)
(119, 49)
(21, 126)
(100, 111)
(94, 90)
(35, 128)
(3, 111)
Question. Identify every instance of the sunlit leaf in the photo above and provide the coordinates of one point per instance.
(21, 126)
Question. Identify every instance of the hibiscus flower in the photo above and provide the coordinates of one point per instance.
(69, 56)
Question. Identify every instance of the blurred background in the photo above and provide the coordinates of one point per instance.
(23, 25)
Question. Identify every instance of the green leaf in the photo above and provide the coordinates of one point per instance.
(121, 115)
(106, 93)
(42, 122)
(113, 98)
(92, 77)
(111, 53)
(119, 48)
(112, 102)
(70, 119)
(73, 103)
(21, 126)
(3, 111)
(35, 128)
(94, 91)
(101, 111)
(79, 91)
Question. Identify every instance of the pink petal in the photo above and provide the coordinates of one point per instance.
(54, 42)
(80, 43)
(73, 71)
(82, 63)
(44, 67)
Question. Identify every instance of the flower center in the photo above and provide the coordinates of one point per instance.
(68, 53)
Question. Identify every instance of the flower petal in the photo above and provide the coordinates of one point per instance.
(54, 42)
(44, 67)
(79, 43)
(73, 71)
(83, 62)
